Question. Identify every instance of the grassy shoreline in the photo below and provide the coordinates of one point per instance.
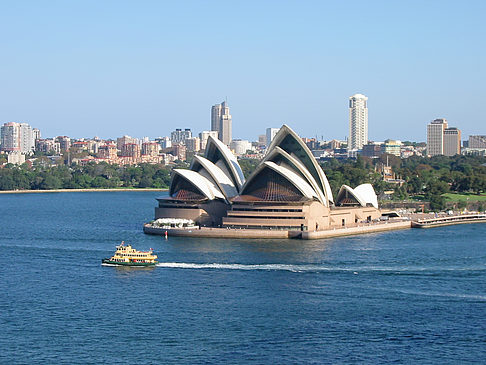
(77, 190)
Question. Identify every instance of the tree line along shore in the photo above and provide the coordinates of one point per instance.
(439, 182)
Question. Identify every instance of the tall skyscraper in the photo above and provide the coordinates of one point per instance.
(358, 122)
(221, 122)
(435, 137)
(18, 137)
(452, 141)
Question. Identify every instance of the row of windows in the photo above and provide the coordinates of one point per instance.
(257, 217)
(265, 210)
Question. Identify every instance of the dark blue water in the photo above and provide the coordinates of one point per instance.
(414, 296)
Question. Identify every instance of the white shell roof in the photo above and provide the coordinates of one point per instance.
(351, 191)
(296, 162)
(206, 187)
(288, 174)
(367, 194)
(235, 170)
(321, 178)
(218, 176)
(364, 194)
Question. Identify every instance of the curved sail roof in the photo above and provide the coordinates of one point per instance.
(197, 182)
(287, 174)
(363, 194)
(278, 153)
(290, 142)
(224, 183)
(367, 194)
(217, 151)
(346, 195)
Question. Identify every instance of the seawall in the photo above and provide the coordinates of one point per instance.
(349, 231)
(275, 234)
(206, 232)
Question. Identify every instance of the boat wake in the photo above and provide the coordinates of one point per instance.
(411, 270)
(283, 267)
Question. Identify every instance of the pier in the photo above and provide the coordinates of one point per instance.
(449, 220)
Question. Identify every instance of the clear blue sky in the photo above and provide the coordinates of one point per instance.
(143, 68)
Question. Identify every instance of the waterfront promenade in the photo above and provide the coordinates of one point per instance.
(449, 220)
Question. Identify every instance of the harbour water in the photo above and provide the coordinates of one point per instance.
(411, 296)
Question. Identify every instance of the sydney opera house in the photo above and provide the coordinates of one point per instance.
(287, 191)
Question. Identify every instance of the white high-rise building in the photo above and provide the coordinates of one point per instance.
(435, 137)
(221, 122)
(358, 122)
(270, 134)
(18, 137)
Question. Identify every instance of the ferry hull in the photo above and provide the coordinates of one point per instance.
(137, 264)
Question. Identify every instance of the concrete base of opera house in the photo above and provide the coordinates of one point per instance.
(207, 232)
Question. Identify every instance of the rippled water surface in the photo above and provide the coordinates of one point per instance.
(406, 296)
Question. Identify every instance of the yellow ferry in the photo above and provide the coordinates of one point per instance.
(128, 256)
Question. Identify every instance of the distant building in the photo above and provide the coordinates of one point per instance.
(49, 145)
(164, 142)
(150, 148)
(240, 146)
(476, 141)
(180, 136)
(442, 140)
(372, 149)
(358, 121)
(262, 140)
(193, 144)
(312, 143)
(391, 147)
(125, 140)
(18, 137)
(270, 135)
(36, 133)
(204, 135)
(452, 141)
(179, 151)
(79, 146)
(335, 144)
(435, 137)
(131, 150)
(221, 122)
(94, 144)
(15, 157)
(107, 151)
(64, 142)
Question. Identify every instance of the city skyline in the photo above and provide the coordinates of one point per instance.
(98, 68)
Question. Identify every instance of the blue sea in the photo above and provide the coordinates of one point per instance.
(411, 296)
